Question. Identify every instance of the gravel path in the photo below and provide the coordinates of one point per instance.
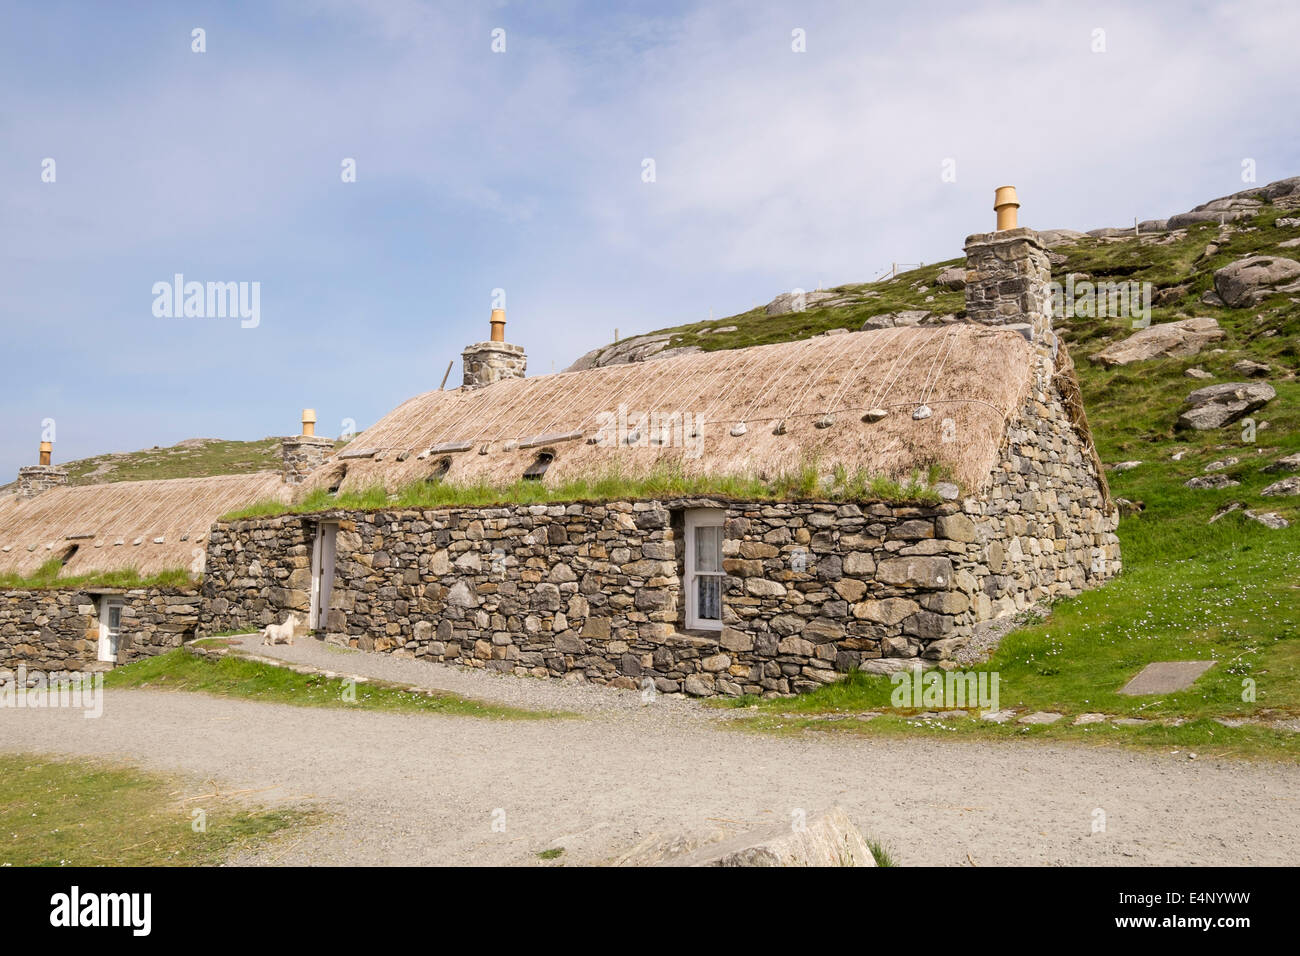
(531, 693)
(416, 789)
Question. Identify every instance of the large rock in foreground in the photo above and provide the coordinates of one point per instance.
(828, 839)
(1247, 281)
(1217, 405)
(1167, 340)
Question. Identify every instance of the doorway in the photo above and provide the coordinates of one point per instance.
(110, 629)
(322, 574)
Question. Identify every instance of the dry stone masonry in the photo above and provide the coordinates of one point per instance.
(489, 362)
(58, 628)
(303, 454)
(33, 479)
(592, 591)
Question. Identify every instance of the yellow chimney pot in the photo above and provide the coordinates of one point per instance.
(498, 325)
(1005, 204)
(309, 422)
(46, 449)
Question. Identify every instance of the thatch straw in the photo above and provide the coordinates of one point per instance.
(95, 518)
(974, 378)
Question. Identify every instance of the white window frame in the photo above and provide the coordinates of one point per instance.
(700, 518)
(106, 633)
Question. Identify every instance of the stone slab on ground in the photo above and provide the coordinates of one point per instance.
(1163, 677)
(1041, 717)
(827, 839)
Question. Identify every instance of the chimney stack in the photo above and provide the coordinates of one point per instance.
(303, 454)
(34, 479)
(1008, 277)
(495, 359)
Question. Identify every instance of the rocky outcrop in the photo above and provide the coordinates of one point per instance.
(1286, 463)
(889, 320)
(1179, 339)
(1248, 281)
(1287, 486)
(641, 348)
(788, 302)
(1241, 205)
(953, 277)
(1217, 405)
(1060, 237)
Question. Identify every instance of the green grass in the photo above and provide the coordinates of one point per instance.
(1236, 602)
(883, 855)
(1191, 590)
(756, 327)
(552, 854)
(180, 670)
(85, 813)
(806, 482)
(195, 458)
(47, 576)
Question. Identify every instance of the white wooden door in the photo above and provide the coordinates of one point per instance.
(110, 629)
(322, 574)
(704, 574)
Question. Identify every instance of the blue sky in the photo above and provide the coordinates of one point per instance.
(522, 170)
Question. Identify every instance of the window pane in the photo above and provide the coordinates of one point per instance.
(708, 549)
(114, 617)
(709, 597)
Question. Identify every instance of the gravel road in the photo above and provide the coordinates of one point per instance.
(416, 789)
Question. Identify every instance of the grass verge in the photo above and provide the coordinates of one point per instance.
(88, 813)
(180, 670)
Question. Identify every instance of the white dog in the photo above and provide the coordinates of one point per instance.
(281, 633)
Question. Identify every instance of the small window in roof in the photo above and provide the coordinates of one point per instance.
(438, 471)
(336, 479)
(537, 469)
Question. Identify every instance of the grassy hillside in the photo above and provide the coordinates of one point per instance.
(192, 458)
(1227, 591)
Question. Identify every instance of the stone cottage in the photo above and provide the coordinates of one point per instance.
(712, 594)
(85, 532)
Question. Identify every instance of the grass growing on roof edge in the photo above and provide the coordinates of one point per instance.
(47, 577)
(807, 483)
(233, 676)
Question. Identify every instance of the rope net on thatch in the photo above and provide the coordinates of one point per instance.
(750, 412)
(116, 526)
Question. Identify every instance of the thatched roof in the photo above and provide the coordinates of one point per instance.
(118, 525)
(973, 378)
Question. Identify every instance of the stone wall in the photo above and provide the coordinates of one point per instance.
(300, 455)
(58, 628)
(1045, 529)
(1007, 284)
(593, 590)
(33, 479)
(489, 362)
